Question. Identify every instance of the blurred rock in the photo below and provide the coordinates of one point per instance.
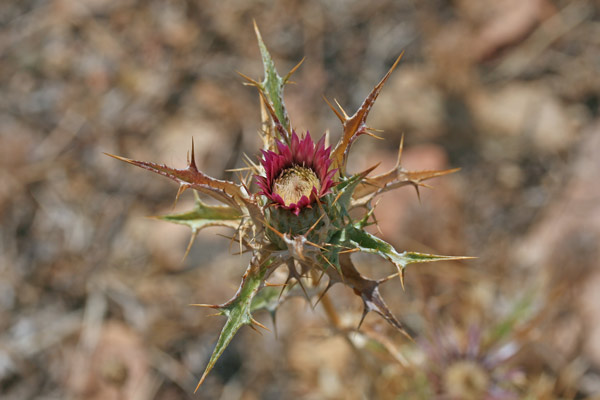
(524, 110)
(563, 243)
(328, 358)
(116, 368)
(411, 104)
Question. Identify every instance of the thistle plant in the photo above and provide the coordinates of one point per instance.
(295, 208)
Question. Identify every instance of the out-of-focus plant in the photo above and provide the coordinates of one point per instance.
(299, 218)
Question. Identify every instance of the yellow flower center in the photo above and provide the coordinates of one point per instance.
(295, 182)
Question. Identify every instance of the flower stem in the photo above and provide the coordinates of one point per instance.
(330, 311)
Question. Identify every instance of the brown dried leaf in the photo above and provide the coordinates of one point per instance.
(366, 288)
(356, 125)
(394, 178)
(225, 191)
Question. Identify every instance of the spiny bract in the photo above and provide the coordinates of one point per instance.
(300, 216)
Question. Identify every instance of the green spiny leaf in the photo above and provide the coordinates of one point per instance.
(268, 298)
(204, 215)
(346, 187)
(238, 310)
(411, 257)
(332, 253)
(368, 243)
(272, 85)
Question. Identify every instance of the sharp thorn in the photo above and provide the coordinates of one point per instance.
(214, 315)
(336, 112)
(316, 222)
(400, 148)
(189, 246)
(285, 285)
(314, 245)
(337, 198)
(289, 74)
(320, 277)
(323, 294)
(256, 330)
(416, 186)
(193, 165)
(374, 136)
(387, 278)
(182, 188)
(362, 319)
(259, 324)
(341, 109)
(299, 280)
(125, 159)
(274, 320)
(402, 279)
(328, 262)
(251, 82)
(350, 250)
(201, 381)
(205, 305)
(269, 284)
(281, 235)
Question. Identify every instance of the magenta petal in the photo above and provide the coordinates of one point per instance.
(277, 199)
(303, 202)
(295, 142)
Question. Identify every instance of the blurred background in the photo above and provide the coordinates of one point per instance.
(94, 296)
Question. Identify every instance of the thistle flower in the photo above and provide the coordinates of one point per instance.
(460, 365)
(297, 175)
(299, 218)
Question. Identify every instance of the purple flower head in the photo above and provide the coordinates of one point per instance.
(297, 175)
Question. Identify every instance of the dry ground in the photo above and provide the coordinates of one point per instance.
(93, 295)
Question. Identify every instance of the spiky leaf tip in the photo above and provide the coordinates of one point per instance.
(238, 309)
(368, 243)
